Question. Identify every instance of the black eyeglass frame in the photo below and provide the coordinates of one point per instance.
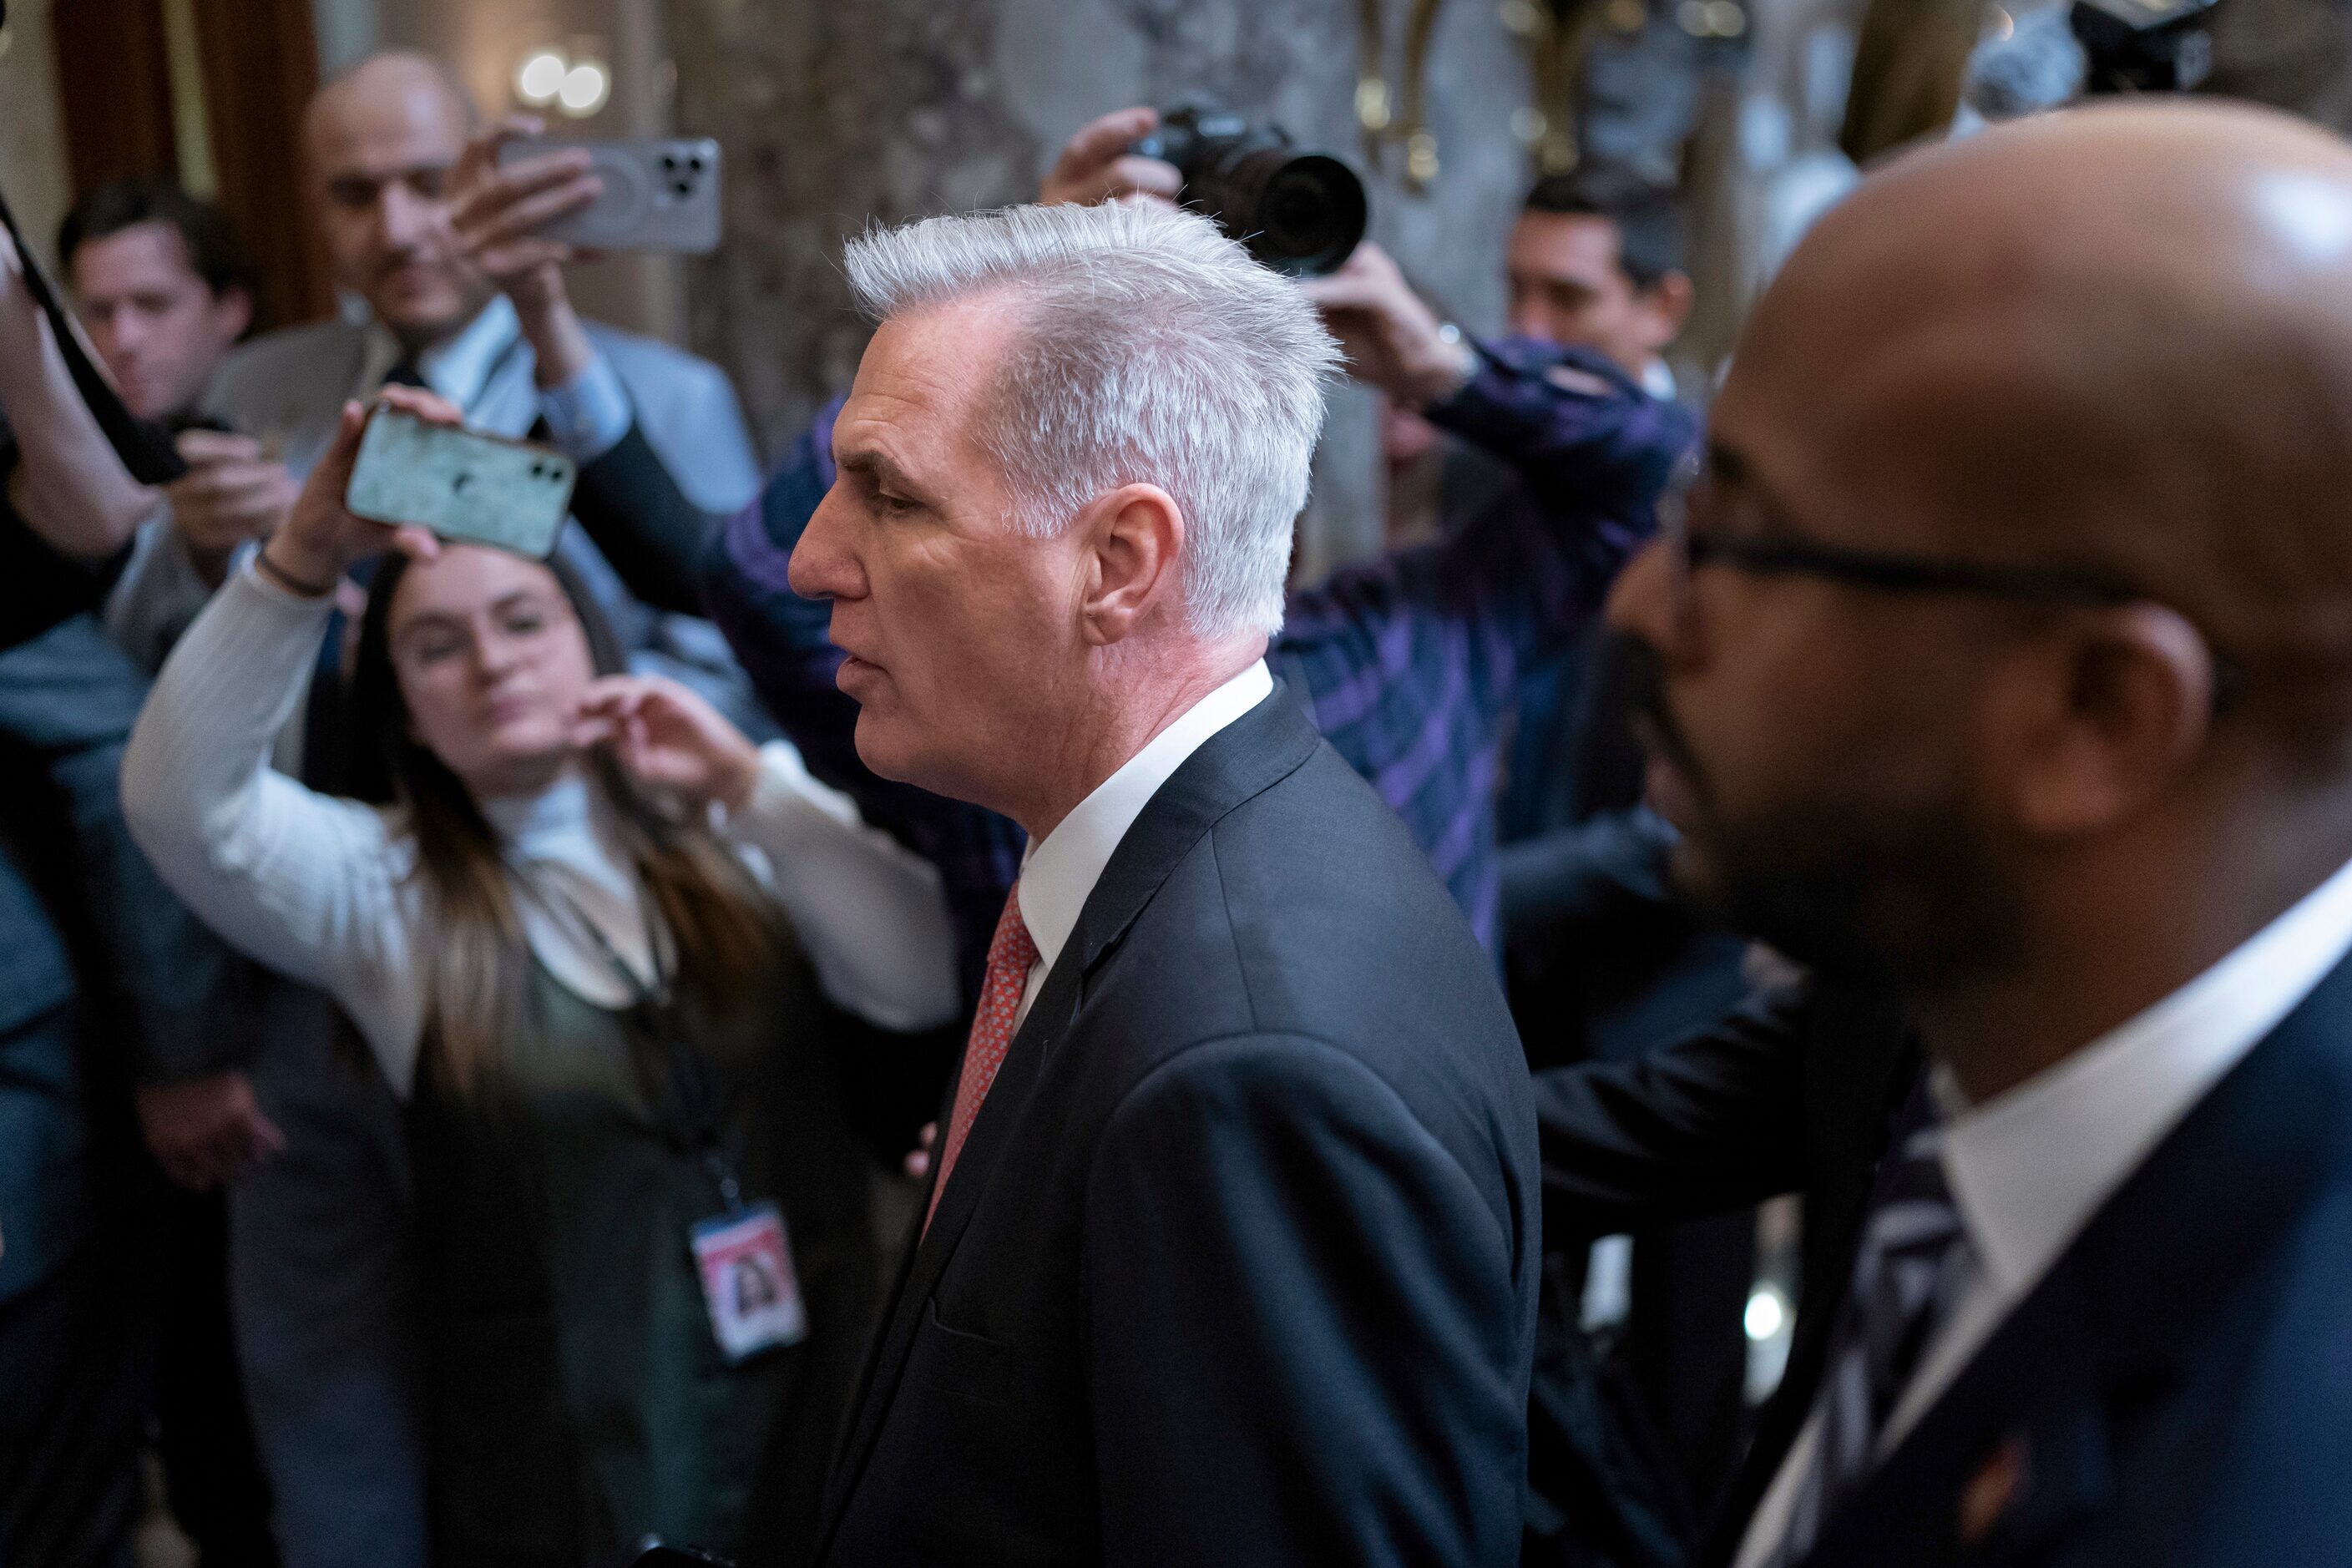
(1894, 573)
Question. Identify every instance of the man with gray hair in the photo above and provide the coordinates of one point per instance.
(1230, 1254)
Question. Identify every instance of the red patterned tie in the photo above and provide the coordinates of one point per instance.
(1011, 955)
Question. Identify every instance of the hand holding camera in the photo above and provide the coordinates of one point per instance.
(1392, 339)
(1099, 163)
(1299, 213)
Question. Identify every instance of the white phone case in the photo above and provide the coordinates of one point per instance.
(459, 483)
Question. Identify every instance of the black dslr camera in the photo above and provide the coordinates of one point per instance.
(2144, 46)
(1302, 214)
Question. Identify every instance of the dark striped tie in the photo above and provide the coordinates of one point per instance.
(1913, 1259)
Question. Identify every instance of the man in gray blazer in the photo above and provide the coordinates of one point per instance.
(458, 297)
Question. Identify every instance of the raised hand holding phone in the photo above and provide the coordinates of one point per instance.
(462, 484)
(321, 538)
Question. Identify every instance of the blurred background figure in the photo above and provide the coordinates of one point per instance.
(159, 283)
(159, 280)
(113, 1305)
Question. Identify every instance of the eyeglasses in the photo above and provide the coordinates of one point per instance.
(1686, 552)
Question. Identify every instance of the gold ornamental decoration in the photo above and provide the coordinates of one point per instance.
(1396, 111)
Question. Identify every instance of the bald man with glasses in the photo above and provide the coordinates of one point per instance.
(1997, 666)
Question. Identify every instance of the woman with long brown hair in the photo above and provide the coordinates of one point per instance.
(600, 942)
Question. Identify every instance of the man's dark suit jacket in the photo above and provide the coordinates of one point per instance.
(2178, 1389)
(1238, 1264)
(1795, 1094)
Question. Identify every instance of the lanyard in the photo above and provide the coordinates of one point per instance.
(693, 1090)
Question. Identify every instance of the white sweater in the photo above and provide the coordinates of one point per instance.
(321, 890)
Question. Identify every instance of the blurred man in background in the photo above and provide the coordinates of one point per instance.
(1596, 259)
(1604, 959)
(104, 977)
(158, 280)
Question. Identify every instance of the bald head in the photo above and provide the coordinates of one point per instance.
(380, 139)
(2119, 337)
(2020, 604)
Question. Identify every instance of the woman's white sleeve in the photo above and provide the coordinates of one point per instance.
(308, 884)
(871, 914)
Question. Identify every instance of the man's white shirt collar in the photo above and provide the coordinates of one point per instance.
(457, 367)
(1059, 872)
(2030, 1167)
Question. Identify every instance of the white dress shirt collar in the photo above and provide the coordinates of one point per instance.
(1059, 872)
(2029, 1167)
(457, 367)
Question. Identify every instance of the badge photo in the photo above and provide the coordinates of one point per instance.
(749, 1286)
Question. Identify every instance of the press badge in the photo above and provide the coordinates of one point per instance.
(748, 1283)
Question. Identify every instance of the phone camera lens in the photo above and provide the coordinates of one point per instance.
(695, 163)
(683, 188)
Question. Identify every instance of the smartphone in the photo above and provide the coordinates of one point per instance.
(659, 194)
(461, 484)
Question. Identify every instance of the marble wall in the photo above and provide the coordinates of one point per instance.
(835, 114)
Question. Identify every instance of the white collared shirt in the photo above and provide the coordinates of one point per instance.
(586, 415)
(1058, 873)
(2031, 1166)
(457, 367)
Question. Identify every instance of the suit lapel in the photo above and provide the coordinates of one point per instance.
(1256, 750)
(928, 1258)
(2019, 1444)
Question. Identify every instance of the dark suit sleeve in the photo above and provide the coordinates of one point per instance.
(1589, 870)
(654, 536)
(1306, 1328)
(1712, 1121)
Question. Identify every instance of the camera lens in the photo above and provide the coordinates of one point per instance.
(1311, 215)
(1302, 215)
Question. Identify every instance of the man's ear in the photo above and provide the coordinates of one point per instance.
(232, 312)
(2124, 713)
(1668, 302)
(1135, 535)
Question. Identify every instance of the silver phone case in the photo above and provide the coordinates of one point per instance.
(659, 194)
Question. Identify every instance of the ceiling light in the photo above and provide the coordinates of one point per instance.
(585, 88)
(539, 78)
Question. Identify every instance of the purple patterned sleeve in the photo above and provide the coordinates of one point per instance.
(1410, 664)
